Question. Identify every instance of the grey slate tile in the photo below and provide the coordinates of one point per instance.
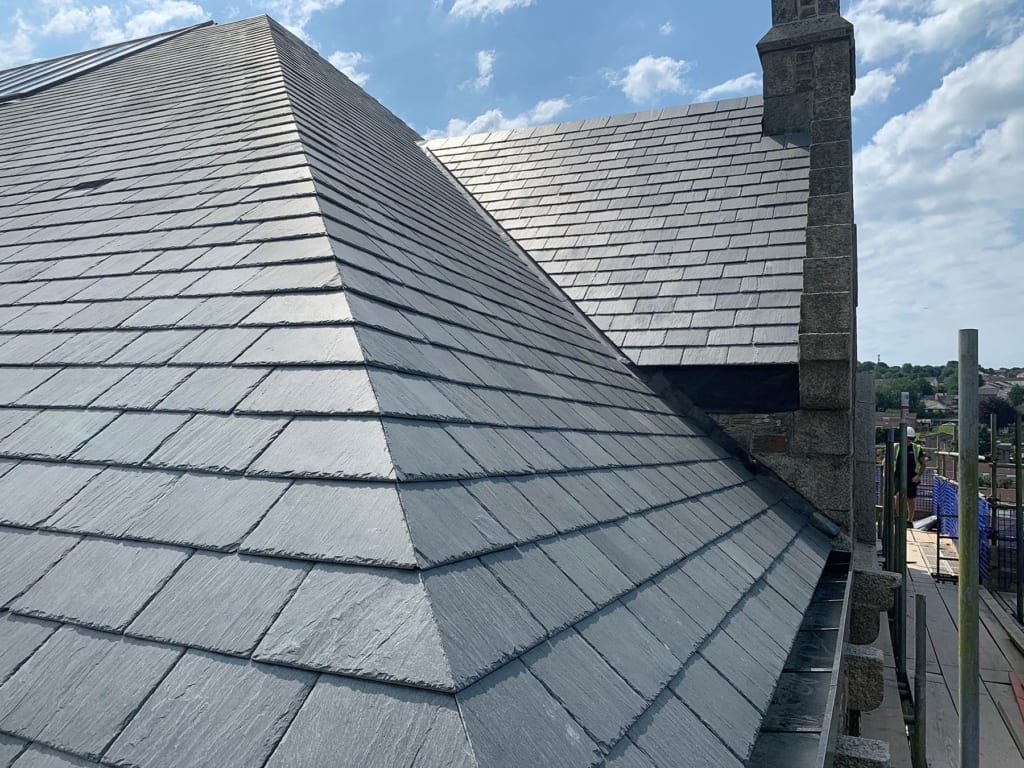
(547, 592)
(339, 522)
(217, 346)
(16, 382)
(422, 450)
(627, 755)
(219, 602)
(19, 639)
(88, 586)
(154, 347)
(481, 623)
(131, 437)
(367, 724)
(308, 346)
(625, 553)
(312, 391)
(102, 682)
(366, 622)
(583, 682)
(142, 388)
(352, 448)
(74, 386)
(666, 619)
(55, 433)
(643, 660)
(12, 419)
(10, 748)
(217, 443)
(511, 702)
(510, 509)
(587, 567)
(301, 308)
(40, 757)
(719, 705)
(101, 506)
(447, 523)
(27, 555)
(213, 388)
(669, 728)
(32, 491)
(212, 710)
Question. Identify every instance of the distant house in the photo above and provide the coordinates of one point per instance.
(304, 461)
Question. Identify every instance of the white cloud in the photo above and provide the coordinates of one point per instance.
(348, 62)
(941, 221)
(892, 28)
(16, 49)
(484, 71)
(744, 85)
(495, 120)
(102, 24)
(666, 29)
(482, 8)
(648, 77)
(296, 14)
(875, 86)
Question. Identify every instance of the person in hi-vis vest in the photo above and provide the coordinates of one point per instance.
(916, 461)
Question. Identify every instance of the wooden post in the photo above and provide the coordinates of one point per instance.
(968, 583)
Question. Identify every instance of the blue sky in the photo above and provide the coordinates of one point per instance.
(938, 119)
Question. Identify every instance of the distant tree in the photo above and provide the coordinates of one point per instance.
(1000, 407)
(1016, 395)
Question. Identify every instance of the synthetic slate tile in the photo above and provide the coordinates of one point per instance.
(217, 443)
(367, 622)
(481, 623)
(12, 419)
(511, 703)
(547, 592)
(212, 710)
(55, 433)
(308, 345)
(592, 692)
(627, 755)
(666, 620)
(333, 521)
(78, 690)
(510, 509)
(312, 391)
(19, 639)
(219, 602)
(27, 555)
(361, 724)
(32, 492)
(91, 586)
(154, 347)
(131, 437)
(352, 448)
(217, 346)
(213, 388)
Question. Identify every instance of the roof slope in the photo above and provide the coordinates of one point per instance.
(301, 463)
(679, 231)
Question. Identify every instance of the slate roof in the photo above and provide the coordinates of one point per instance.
(300, 464)
(680, 231)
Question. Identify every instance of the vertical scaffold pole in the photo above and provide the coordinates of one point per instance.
(887, 501)
(969, 577)
(1019, 534)
(903, 518)
(920, 683)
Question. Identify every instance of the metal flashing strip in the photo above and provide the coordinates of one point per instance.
(803, 720)
(31, 78)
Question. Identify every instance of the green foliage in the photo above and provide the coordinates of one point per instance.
(1016, 395)
(1001, 407)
